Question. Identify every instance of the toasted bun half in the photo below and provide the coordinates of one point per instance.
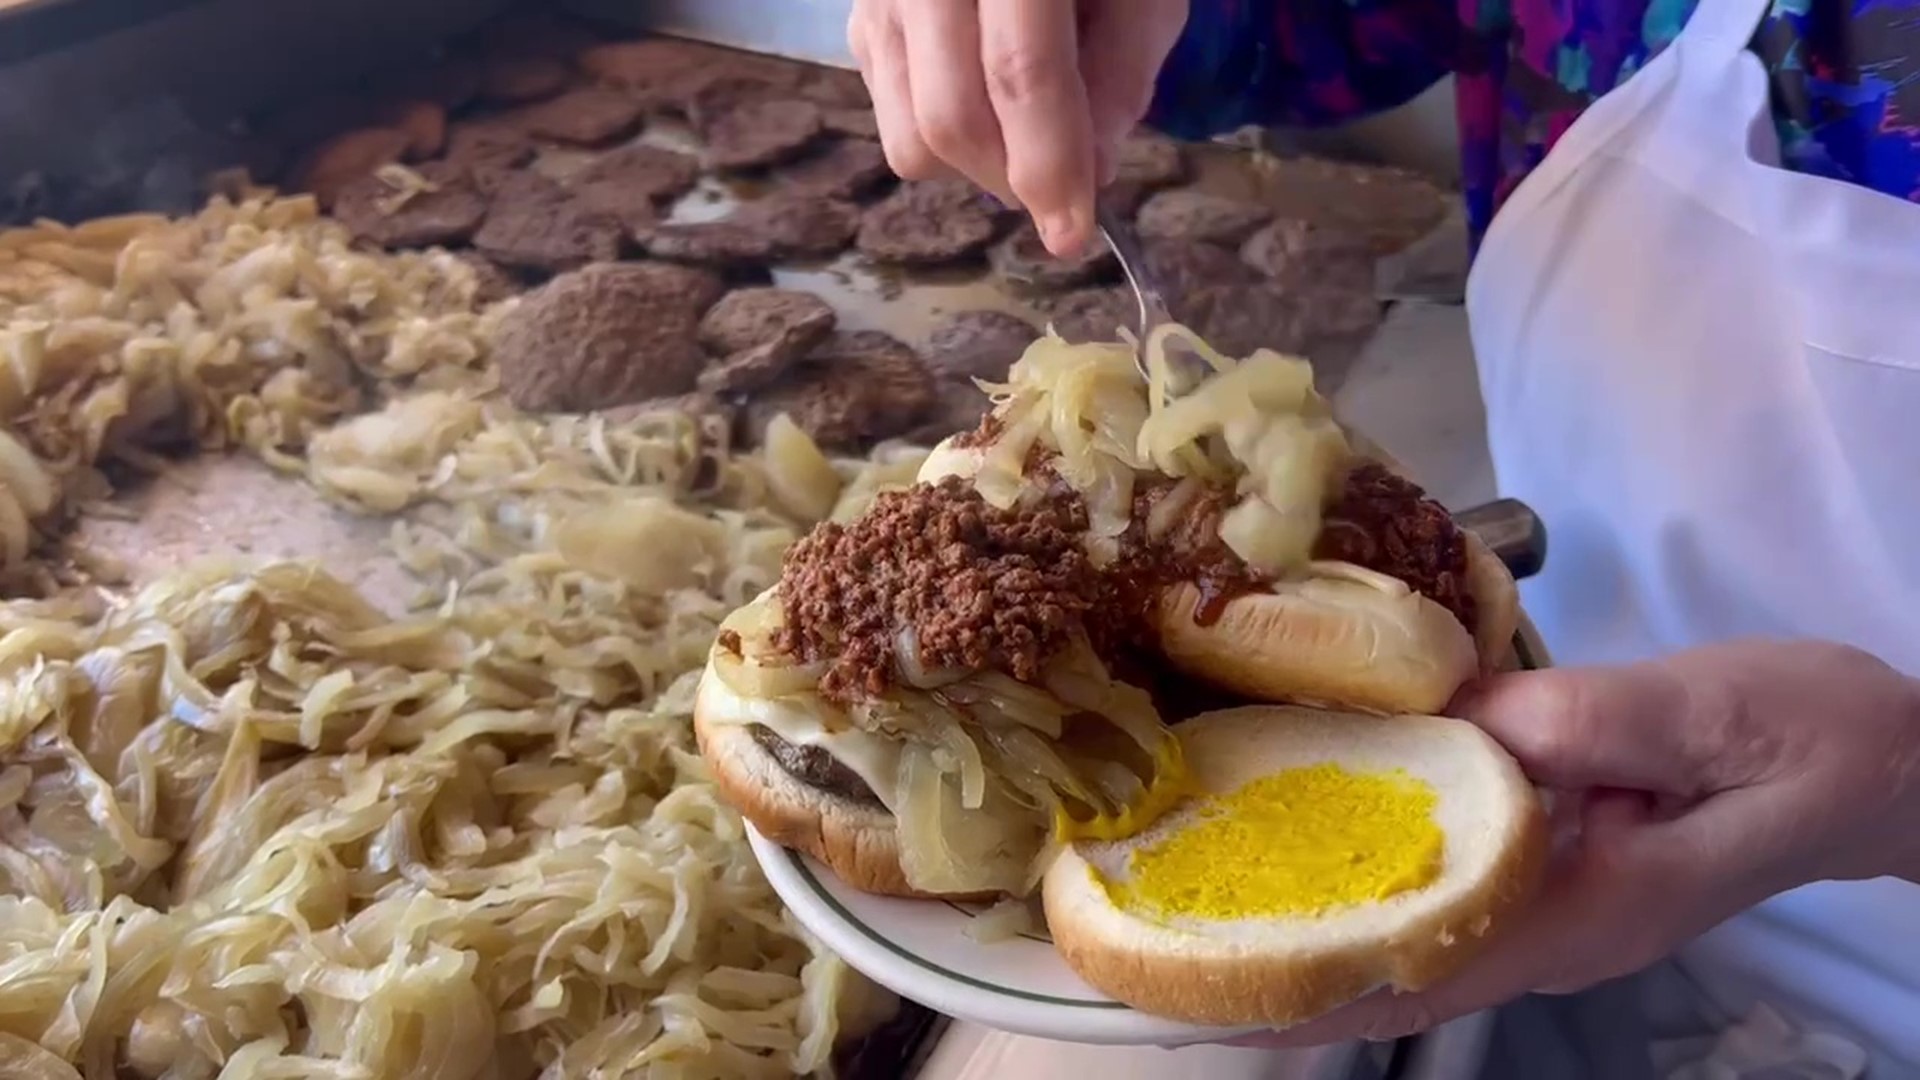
(856, 840)
(1345, 642)
(1284, 971)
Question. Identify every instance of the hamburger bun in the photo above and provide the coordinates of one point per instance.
(855, 839)
(1366, 642)
(1281, 971)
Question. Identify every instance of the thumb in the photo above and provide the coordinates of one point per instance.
(1610, 905)
(1643, 727)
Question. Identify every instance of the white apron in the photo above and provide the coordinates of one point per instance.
(1703, 372)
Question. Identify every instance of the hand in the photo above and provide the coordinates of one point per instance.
(1701, 785)
(1027, 98)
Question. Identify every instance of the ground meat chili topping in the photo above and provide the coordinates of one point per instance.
(1387, 524)
(1190, 551)
(1006, 590)
(982, 588)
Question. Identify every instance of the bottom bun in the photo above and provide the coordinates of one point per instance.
(1281, 971)
(856, 840)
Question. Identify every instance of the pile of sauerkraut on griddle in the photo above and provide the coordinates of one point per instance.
(253, 825)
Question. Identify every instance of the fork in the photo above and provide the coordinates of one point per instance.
(1120, 236)
(1147, 293)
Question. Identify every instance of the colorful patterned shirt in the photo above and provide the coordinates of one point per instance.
(1845, 75)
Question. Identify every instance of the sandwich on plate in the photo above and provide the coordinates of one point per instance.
(1165, 651)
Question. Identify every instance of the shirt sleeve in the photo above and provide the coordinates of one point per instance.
(1300, 63)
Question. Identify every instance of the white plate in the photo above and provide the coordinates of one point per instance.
(920, 950)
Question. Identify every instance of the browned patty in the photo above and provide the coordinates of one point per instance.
(634, 183)
(760, 333)
(765, 230)
(978, 344)
(1097, 314)
(489, 149)
(535, 224)
(842, 169)
(511, 80)
(1237, 319)
(1146, 163)
(1021, 258)
(330, 167)
(449, 213)
(1293, 252)
(834, 88)
(928, 221)
(493, 282)
(854, 388)
(647, 62)
(605, 335)
(590, 116)
(1183, 266)
(1183, 214)
(958, 406)
(709, 94)
(756, 134)
(425, 124)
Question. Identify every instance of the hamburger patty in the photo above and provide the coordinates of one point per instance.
(446, 210)
(856, 386)
(754, 134)
(1023, 259)
(815, 767)
(926, 222)
(845, 169)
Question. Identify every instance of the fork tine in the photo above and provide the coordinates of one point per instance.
(1133, 263)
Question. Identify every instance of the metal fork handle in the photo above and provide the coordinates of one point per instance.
(1133, 263)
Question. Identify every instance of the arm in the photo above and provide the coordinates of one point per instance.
(1300, 63)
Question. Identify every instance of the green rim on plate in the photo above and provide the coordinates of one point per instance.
(1522, 648)
(887, 943)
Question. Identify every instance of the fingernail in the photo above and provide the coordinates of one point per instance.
(1060, 231)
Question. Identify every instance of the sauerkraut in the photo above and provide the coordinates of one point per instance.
(987, 774)
(993, 774)
(253, 825)
(1256, 423)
